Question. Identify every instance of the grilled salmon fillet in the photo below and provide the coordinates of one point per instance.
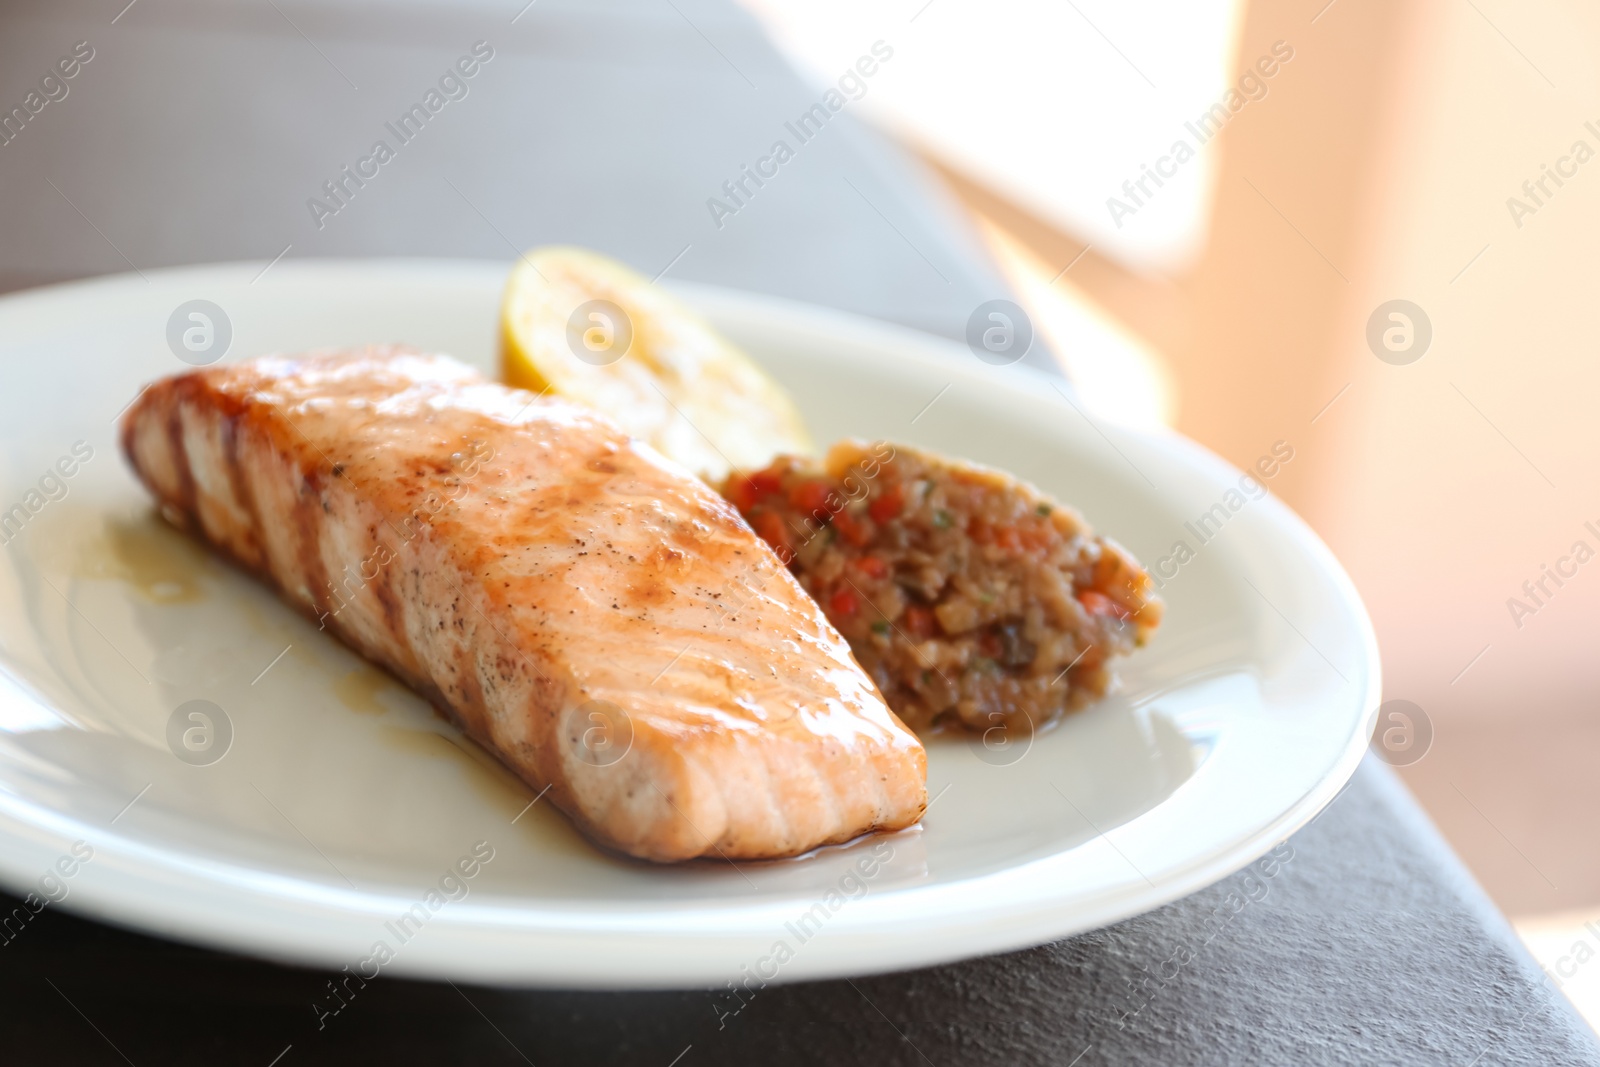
(579, 605)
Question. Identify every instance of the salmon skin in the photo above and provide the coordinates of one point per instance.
(581, 606)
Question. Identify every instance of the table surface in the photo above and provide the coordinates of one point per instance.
(198, 132)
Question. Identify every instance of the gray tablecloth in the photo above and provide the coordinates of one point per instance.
(196, 132)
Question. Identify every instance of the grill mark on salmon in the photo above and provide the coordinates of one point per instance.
(230, 448)
(307, 515)
(520, 562)
(180, 454)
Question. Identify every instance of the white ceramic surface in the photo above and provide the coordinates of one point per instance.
(343, 799)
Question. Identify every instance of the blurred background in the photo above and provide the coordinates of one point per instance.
(1383, 158)
(1208, 209)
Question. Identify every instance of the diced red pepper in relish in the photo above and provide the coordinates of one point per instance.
(1096, 603)
(853, 528)
(919, 622)
(889, 505)
(810, 498)
(772, 531)
(1006, 537)
(741, 493)
(745, 491)
(766, 482)
(873, 567)
(1037, 536)
(844, 603)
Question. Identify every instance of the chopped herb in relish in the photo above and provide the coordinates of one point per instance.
(942, 519)
(880, 627)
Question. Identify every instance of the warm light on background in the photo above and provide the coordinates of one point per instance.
(1054, 106)
(1377, 166)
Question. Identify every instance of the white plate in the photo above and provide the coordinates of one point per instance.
(342, 799)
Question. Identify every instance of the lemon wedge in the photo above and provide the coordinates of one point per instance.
(581, 326)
